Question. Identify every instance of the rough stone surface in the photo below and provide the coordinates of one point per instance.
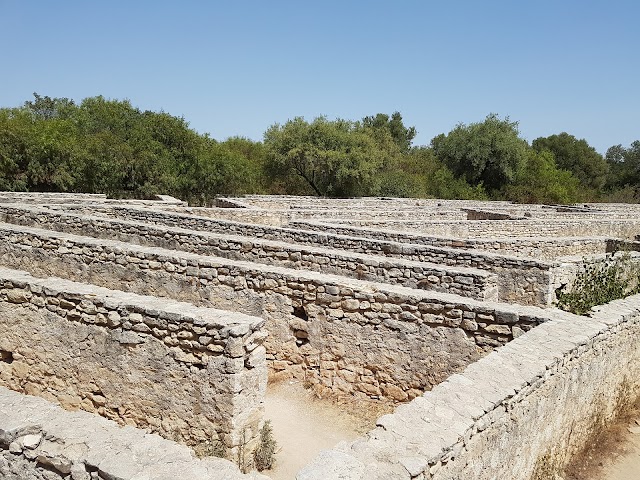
(523, 409)
(81, 446)
(375, 298)
(413, 338)
(461, 280)
(64, 349)
(522, 280)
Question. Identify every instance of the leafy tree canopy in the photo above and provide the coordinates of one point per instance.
(46, 108)
(401, 135)
(487, 153)
(336, 158)
(624, 165)
(577, 156)
(110, 146)
(541, 181)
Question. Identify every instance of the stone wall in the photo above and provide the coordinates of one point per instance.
(71, 199)
(621, 228)
(119, 354)
(49, 197)
(546, 248)
(343, 335)
(475, 214)
(41, 441)
(519, 413)
(281, 217)
(512, 391)
(521, 280)
(363, 203)
(465, 281)
(275, 218)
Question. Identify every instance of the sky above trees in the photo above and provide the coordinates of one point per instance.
(236, 68)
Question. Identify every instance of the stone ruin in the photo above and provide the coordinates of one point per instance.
(137, 334)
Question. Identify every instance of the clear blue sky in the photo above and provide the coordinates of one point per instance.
(237, 67)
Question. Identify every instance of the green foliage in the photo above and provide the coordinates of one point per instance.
(540, 181)
(488, 153)
(254, 160)
(264, 455)
(600, 283)
(401, 184)
(431, 178)
(401, 135)
(626, 194)
(624, 167)
(108, 146)
(334, 158)
(47, 108)
(443, 184)
(577, 156)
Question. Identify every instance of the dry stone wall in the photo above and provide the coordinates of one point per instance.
(118, 354)
(521, 280)
(344, 335)
(363, 203)
(42, 197)
(281, 217)
(352, 312)
(41, 441)
(544, 248)
(620, 228)
(519, 413)
(466, 281)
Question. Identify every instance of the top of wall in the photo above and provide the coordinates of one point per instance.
(405, 445)
(74, 442)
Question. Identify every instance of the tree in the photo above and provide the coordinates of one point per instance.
(254, 156)
(334, 158)
(487, 153)
(15, 128)
(577, 156)
(540, 181)
(401, 135)
(109, 146)
(624, 167)
(47, 108)
(418, 173)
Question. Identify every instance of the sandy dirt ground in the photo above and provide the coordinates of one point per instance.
(627, 465)
(304, 424)
(614, 455)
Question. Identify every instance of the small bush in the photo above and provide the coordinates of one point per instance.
(264, 455)
(601, 283)
(211, 449)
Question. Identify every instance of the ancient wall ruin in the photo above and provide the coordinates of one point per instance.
(40, 440)
(443, 308)
(118, 354)
(519, 413)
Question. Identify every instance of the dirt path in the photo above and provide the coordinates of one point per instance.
(615, 455)
(303, 425)
(627, 465)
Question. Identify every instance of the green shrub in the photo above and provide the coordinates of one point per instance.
(264, 455)
(601, 283)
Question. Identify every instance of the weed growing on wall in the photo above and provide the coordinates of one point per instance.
(600, 283)
(264, 455)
